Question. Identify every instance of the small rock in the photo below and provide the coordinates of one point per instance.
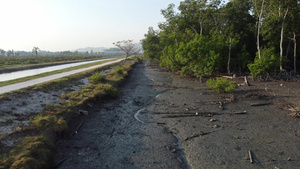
(216, 126)
(212, 120)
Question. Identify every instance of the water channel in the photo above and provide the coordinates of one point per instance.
(32, 72)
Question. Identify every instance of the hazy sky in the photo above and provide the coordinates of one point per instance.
(58, 25)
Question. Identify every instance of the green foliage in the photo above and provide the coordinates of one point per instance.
(119, 70)
(151, 46)
(269, 62)
(221, 85)
(199, 56)
(30, 60)
(96, 78)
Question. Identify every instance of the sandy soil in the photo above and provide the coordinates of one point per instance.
(163, 121)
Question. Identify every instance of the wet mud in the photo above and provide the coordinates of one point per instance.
(164, 121)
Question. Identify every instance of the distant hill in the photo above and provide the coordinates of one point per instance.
(95, 49)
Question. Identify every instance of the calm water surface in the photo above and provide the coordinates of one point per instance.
(32, 72)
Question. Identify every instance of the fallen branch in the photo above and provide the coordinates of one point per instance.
(191, 115)
(228, 77)
(196, 135)
(250, 156)
(178, 113)
(243, 112)
(160, 124)
(260, 104)
(74, 132)
(59, 163)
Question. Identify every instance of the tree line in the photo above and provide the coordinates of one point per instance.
(37, 52)
(203, 37)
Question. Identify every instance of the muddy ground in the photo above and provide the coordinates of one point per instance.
(164, 121)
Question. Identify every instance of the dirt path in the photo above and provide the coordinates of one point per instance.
(17, 86)
(163, 121)
(112, 137)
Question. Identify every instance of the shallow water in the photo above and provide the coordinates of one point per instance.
(32, 72)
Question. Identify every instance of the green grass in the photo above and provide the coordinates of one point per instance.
(96, 78)
(221, 85)
(5, 83)
(8, 62)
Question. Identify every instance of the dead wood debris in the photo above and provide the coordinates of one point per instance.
(245, 83)
(161, 123)
(250, 156)
(295, 111)
(196, 135)
(74, 132)
(240, 112)
(260, 104)
(178, 115)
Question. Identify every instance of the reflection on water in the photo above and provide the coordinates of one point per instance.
(32, 72)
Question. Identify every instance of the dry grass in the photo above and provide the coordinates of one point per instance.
(33, 152)
(295, 111)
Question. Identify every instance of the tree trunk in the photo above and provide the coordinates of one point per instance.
(127, 54)
(229, 57)
(258, 26)
(288, 48)
(193, 29)
(281, 38)
(258, 47)
(201, 29)
(295, 53)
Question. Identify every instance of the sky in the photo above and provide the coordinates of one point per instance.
(60, 25)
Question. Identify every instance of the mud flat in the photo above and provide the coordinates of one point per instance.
(163, 121)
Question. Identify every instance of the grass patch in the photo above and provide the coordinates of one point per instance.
(96, 78)
(221, 85)
(32, 152)
(19, 61)
(119, 72)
